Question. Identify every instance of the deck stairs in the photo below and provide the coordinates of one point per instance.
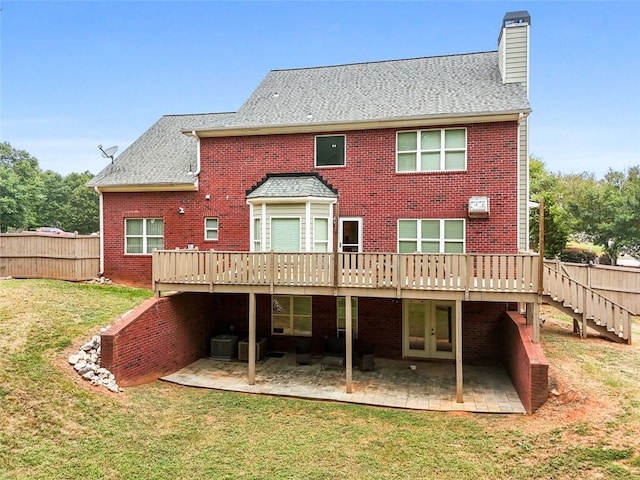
(587, 307)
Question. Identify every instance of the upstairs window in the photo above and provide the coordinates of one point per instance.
(431, 150)
(431, 236)
(143, 235)
(330, 150)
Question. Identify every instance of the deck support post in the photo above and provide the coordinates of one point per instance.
(348, 340)
(533, 319)
(459, 382)
(252, 339)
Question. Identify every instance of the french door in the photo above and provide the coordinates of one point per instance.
(429, 328)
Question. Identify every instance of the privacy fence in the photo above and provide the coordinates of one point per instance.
(26, 255)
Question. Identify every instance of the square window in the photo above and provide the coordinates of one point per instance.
(431, 236)
(330, 151)
(143, 235)
(291, 315)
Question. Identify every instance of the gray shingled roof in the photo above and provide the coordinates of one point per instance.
(277, 185)
(162, 155)
(447, 85)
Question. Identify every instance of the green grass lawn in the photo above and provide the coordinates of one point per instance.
(53, 426)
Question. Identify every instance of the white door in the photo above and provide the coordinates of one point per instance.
(428, 328)
(350, 234)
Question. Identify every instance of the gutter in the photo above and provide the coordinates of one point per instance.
(399, 122)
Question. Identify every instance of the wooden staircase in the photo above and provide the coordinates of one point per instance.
(587, 307)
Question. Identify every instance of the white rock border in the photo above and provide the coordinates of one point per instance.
(87, 363)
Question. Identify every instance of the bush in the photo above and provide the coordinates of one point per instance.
(577, 255)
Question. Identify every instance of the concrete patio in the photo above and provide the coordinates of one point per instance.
(430, 386)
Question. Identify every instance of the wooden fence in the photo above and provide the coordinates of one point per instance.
(31, 255)
(619, 284)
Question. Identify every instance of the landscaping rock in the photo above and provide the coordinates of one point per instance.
(87, 363)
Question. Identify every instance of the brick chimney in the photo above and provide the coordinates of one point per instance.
(513, 48)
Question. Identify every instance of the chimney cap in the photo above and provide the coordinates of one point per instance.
(514, 18)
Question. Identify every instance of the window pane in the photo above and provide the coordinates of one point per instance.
(320, 247)
(212, 223)
(407, 162)
(321, 229)
(330, 150)
(408, 229)
(134, 245)
(454, 229)
(211, 235)
(431, 140)
(302, 305)
(408, 247)
(283, 322)
(430, 161)
(431, 229)
(407, 141)
(454, 138)
(154, 226)
(257, 229)
(453, 247)
(430, 247)
(340, 307)
(281, 304)
(154, 243)
(134, 226)
(301, 325)
(454, 161)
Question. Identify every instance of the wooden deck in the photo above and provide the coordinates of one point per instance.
(441, 276)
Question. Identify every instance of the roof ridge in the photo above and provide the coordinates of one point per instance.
(194, 114)
(380, 61)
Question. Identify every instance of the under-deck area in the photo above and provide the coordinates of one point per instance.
(393, 383)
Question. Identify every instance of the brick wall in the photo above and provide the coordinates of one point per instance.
(159, 337)
(368, 187)
(525, 362)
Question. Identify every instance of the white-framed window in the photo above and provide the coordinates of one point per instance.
(431, 150)
(291, 315)
(143, 235)
(431, 236)
(211, 228)
(320, 234)
(257, 235)
(330, 150)
(342, 316)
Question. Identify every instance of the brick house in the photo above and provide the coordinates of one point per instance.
(385, 202)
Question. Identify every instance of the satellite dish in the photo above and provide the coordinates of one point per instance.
(109, 152)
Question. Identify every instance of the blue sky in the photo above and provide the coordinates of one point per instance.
(78, 74)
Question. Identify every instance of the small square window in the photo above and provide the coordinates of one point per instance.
(330, 151)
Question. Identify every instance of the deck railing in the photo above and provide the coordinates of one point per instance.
(587, 303)
(449, 272)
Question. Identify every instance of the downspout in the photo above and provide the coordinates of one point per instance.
(195, 135)
(101, 272)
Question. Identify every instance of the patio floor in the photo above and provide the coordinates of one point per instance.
(431, 386)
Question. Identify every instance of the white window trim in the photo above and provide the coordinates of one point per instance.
(329, 234)
(441, 240)
(144, 235)
(292, 314)
(442, 150)
(315, 151)
(217, 229)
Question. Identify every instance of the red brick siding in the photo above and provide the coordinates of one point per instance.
(159, 337)
(482, 332)
(368, 186)
(525, 362)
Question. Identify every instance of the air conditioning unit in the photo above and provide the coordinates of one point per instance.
(478, 207)
(224, 347)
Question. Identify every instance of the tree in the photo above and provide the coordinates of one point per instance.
(545, 185)
(21, 188)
